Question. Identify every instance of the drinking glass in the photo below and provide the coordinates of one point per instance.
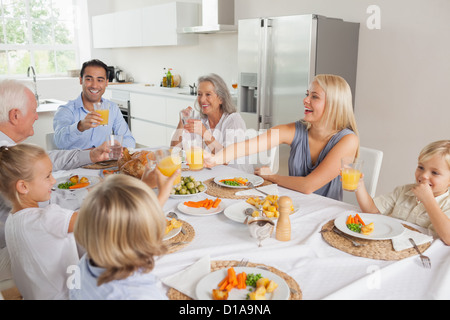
(186, 114)
(350, 173)
(260, 228)
(168, 161)
(193, 147)
(234, 85)
(103, 110)
(115, 146)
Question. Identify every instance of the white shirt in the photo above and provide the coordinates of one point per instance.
(41, 250)
(231, 129)
(402, 204)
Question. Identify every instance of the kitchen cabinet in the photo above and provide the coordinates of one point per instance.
(117, 30)
(154, 118)
(149, 26)
(160, 24)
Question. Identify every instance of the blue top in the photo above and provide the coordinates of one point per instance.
(67, 135)
(138, 286)
(300, 164)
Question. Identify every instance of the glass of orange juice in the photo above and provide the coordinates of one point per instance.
(351, 173)
(194, 152)
(103, 110)
(168, 161)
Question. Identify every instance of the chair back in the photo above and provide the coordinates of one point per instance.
(371, 168)
(50, 141)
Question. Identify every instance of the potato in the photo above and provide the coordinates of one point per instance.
(271, 286)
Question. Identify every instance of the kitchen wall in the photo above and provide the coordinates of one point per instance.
(403, 68)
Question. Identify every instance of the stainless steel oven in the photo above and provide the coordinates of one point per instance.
(122, 99)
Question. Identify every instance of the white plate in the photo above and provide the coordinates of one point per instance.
(257, 181)
(200, 211)
(385, 228)
(109, 169)
(206, 285)
(93, 180)
(236, 213)
(172, 233)
(175, 196)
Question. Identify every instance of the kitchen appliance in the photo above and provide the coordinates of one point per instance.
(278, 58)
(111, 73)
(120, 76)
(122, 99)
(217, 17)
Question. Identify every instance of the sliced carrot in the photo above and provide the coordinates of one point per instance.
(209, 205)
(79, 185)
(349, 220)
(216, 203)
(223, 281)
(232, 279)
(360, 220)
(229, 287)
(224, 285)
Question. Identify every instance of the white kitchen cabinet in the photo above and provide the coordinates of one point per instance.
(160, 23)
(149, 26)
(149, 134)
(173, 108)
(103, 31)
(148, 107)
(117, 30)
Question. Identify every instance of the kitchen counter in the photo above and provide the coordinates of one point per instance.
(49, 105)
(181, 93)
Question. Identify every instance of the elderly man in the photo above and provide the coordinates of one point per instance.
(18, 112)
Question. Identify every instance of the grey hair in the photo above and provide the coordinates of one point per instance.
(221, 90)
(12, 96)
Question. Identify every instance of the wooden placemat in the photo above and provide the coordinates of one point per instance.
(174, 294)
(101, 165)
(223, 192)
(373, 249)
(173, 244)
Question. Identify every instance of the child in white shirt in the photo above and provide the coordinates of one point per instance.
(40, 241)
(121, 225)
(425, 203)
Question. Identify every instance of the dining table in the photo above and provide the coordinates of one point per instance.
(320, 270)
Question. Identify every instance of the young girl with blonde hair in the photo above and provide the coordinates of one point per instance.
(427, 201)
(39, 240)
(318, 142)
(121, 225)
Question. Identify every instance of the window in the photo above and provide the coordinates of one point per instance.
(39, 33)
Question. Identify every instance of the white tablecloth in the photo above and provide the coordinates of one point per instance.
(321, 271)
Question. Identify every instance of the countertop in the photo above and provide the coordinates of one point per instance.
(180, 93)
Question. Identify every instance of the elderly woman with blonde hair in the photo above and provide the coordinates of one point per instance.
(327, 133)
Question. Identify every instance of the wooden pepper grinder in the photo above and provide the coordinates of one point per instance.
(283, 232)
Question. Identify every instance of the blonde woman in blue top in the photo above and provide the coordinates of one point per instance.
(318, 142)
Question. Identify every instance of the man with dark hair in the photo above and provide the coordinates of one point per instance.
(77, 125)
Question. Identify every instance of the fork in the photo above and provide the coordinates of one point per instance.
(242, 263)
(251, 185)
(426, 262)
(356, 244)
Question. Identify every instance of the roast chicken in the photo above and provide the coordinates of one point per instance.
(134, 164)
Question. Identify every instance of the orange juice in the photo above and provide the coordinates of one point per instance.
(194, 158)
(350, 179)
(169, 165)
(105, 116)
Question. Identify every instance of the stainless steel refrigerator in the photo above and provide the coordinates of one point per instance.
(278, 58)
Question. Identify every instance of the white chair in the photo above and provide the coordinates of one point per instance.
(50, 141)
(268, 158)
(371, 168)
